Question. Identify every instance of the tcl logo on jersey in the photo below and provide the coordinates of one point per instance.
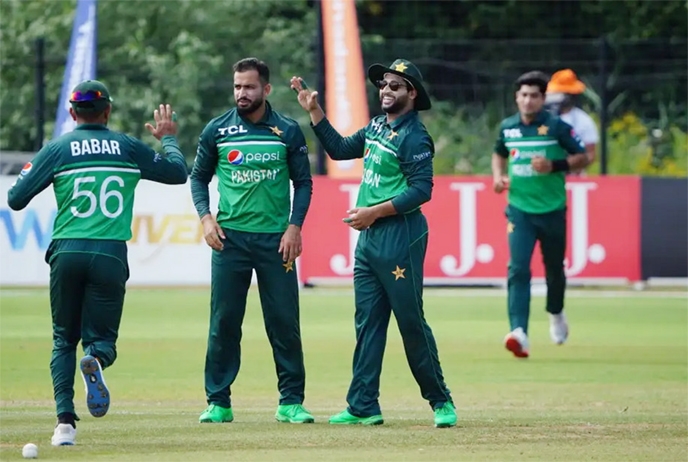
(512, 133)
(233, 130)
(236, 157)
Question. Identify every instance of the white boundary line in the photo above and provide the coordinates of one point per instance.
(428, 292)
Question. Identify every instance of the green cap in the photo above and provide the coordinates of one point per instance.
(408, 71)
(90, 95)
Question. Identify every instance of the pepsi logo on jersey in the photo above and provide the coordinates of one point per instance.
(236, 157)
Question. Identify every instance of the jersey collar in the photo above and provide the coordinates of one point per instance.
(400, 120)
(539, 118)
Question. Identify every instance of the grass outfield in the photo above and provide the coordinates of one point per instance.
(616, 391)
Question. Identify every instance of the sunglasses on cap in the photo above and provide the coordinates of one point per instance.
(90, 95)
(393, 85)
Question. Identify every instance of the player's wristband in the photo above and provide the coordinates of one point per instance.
(560, 165)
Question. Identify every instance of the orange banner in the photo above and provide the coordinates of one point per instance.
(345, 93)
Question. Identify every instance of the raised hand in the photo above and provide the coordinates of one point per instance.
(307, 98)
(165, 122)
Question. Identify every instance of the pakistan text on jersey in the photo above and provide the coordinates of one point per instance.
(95, 146)
(253, 176)
(523, 170)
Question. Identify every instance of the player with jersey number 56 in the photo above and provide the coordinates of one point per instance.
(94, 172)
(533, 152)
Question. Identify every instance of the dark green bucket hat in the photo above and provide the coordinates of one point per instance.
(408, 71)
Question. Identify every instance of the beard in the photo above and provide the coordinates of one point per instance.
(395, 107)
(250, 108)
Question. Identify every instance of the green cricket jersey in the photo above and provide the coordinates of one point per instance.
(254, 164)
(94, 172)
(397, 159)
(547, 136)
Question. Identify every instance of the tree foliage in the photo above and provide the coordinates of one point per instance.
(182, 51)
(152, 52)
(505, 19)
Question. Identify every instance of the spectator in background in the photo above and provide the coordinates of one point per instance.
(563, 91)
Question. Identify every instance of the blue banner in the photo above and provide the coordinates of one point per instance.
(81, 61)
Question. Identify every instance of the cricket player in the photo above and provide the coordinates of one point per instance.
(388, 271)
(563, 91)
(94, 172)
(532, 155)
(255, 151)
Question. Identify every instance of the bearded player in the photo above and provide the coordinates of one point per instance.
(255, 152)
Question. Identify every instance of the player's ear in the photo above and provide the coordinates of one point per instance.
(267, 89)
(413, 94)
(72, 113)
(107, 111)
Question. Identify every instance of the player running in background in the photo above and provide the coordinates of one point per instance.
(532, 154)
(94, 172)
(255, 152)
(388, 271)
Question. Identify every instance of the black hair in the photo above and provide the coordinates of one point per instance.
(89, 111)
(253, 64)
(535, 78)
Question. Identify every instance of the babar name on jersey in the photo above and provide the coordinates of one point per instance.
(95, 146)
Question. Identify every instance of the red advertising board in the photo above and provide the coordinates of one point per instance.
(468, 236)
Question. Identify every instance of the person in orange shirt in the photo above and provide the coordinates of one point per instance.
(563, 92)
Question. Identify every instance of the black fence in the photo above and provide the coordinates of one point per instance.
(647, 78)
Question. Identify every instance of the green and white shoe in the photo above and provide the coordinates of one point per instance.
(346, 418)
(216, 414)
(445, 416)
(293, 413)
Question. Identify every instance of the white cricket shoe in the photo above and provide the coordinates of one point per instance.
(516, 342)
(558, 328)
(65, 435)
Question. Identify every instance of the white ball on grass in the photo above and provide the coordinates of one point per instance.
(30, 451)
